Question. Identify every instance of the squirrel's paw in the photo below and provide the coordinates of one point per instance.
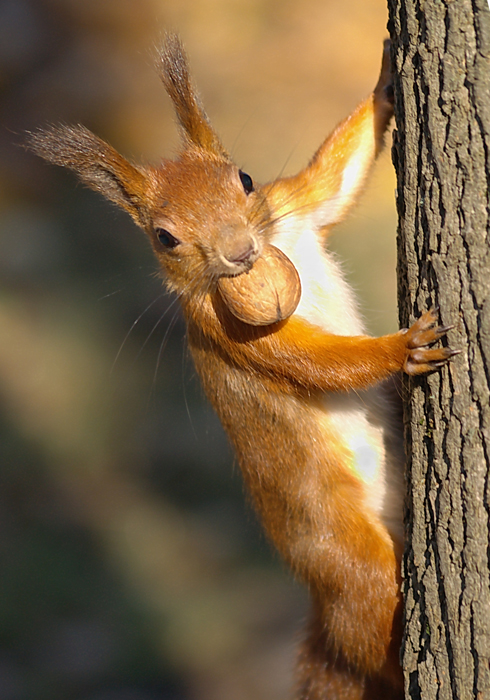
(384, 89)
(425, 331)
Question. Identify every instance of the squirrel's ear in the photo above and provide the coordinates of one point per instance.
(174, 72)
(96, 163)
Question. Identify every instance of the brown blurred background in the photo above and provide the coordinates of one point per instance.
(131, 566)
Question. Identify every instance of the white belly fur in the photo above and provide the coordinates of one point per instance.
(327, 301)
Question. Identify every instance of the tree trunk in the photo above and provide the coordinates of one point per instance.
(441, 151)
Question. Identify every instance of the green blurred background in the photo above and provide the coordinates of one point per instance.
(132, 567)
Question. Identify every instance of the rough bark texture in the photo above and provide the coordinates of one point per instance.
(441, 51)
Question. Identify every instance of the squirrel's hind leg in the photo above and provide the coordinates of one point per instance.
(323, 675)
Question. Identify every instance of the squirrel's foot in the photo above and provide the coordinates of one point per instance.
(384, 88)
(420, 359)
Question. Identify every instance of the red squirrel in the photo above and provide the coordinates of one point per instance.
(299, 392)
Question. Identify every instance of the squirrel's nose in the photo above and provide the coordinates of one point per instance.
(238, 247)
(240, 254)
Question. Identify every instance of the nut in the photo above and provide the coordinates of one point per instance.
(268, 293)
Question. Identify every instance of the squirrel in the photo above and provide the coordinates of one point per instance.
(300, 387)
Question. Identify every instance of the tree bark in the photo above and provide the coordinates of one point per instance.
(441, 152)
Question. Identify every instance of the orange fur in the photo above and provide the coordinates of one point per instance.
(311, 506)
(314, 481)
(361, 133)
(300, 356)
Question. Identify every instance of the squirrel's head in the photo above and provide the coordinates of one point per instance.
(206, 219)
(204, 216)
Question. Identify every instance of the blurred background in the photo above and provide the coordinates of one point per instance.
(132, 566)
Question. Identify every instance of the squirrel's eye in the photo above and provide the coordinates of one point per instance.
(166, 238)
(247, 182)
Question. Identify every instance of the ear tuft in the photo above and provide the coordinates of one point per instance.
(174, 72)
(96, 163)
